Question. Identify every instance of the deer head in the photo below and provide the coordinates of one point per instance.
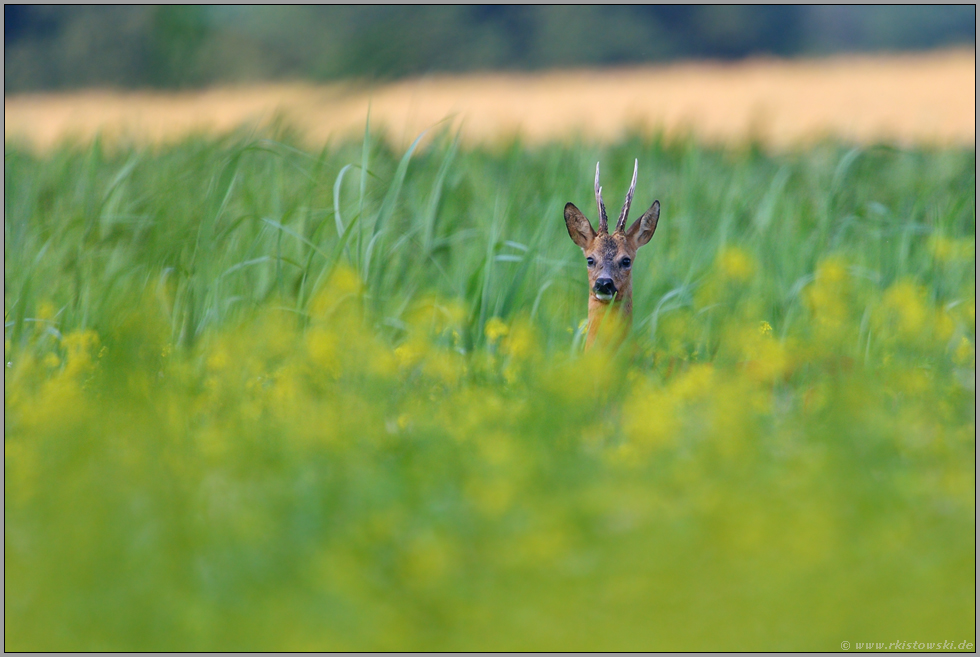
(609, 257)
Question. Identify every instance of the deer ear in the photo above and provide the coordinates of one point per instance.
(643, 228)
(579, 228)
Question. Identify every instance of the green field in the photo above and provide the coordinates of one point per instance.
(258, 397)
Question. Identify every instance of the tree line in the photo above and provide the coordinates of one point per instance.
(175, 46)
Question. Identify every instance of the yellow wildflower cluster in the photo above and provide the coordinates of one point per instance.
(495, 329)
(735, 264)
(731, 271)
(952, 251)
(379, 482)
(830, 300)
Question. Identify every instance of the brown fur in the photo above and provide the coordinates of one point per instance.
(608, 253)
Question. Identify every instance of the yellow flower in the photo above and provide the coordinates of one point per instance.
(323, 349)
(520, 342)
(46, 311)
(765, 359)
(904, 309)
(79, 347)
(345, 281)
(947, 250)
(495, 329)
(735, 264)
(218, 359)
(344, 285)
(409, 354)
(443, 366)
(828, 300)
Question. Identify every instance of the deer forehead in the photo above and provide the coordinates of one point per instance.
(609, 247)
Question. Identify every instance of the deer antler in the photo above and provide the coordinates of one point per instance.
(621, 224)
(603, 220)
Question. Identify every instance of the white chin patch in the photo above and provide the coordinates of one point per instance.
(603, 297)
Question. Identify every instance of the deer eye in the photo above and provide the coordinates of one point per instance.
(590, 261)
(625, 263)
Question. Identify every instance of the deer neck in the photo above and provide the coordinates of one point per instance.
(610, 322)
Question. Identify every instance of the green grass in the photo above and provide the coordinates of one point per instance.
(259, 398)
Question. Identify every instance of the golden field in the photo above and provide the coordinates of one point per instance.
(927, 98)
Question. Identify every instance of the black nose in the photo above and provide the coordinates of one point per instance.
(605, 286)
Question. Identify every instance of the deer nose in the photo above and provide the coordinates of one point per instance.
(605, 286)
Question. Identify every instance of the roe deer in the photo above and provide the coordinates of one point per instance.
(610, 258)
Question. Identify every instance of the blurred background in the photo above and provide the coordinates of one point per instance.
(66, 47)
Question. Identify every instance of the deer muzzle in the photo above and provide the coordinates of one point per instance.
(604, 289)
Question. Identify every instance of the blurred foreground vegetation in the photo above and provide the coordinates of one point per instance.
(63, 47)
(260, 398)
